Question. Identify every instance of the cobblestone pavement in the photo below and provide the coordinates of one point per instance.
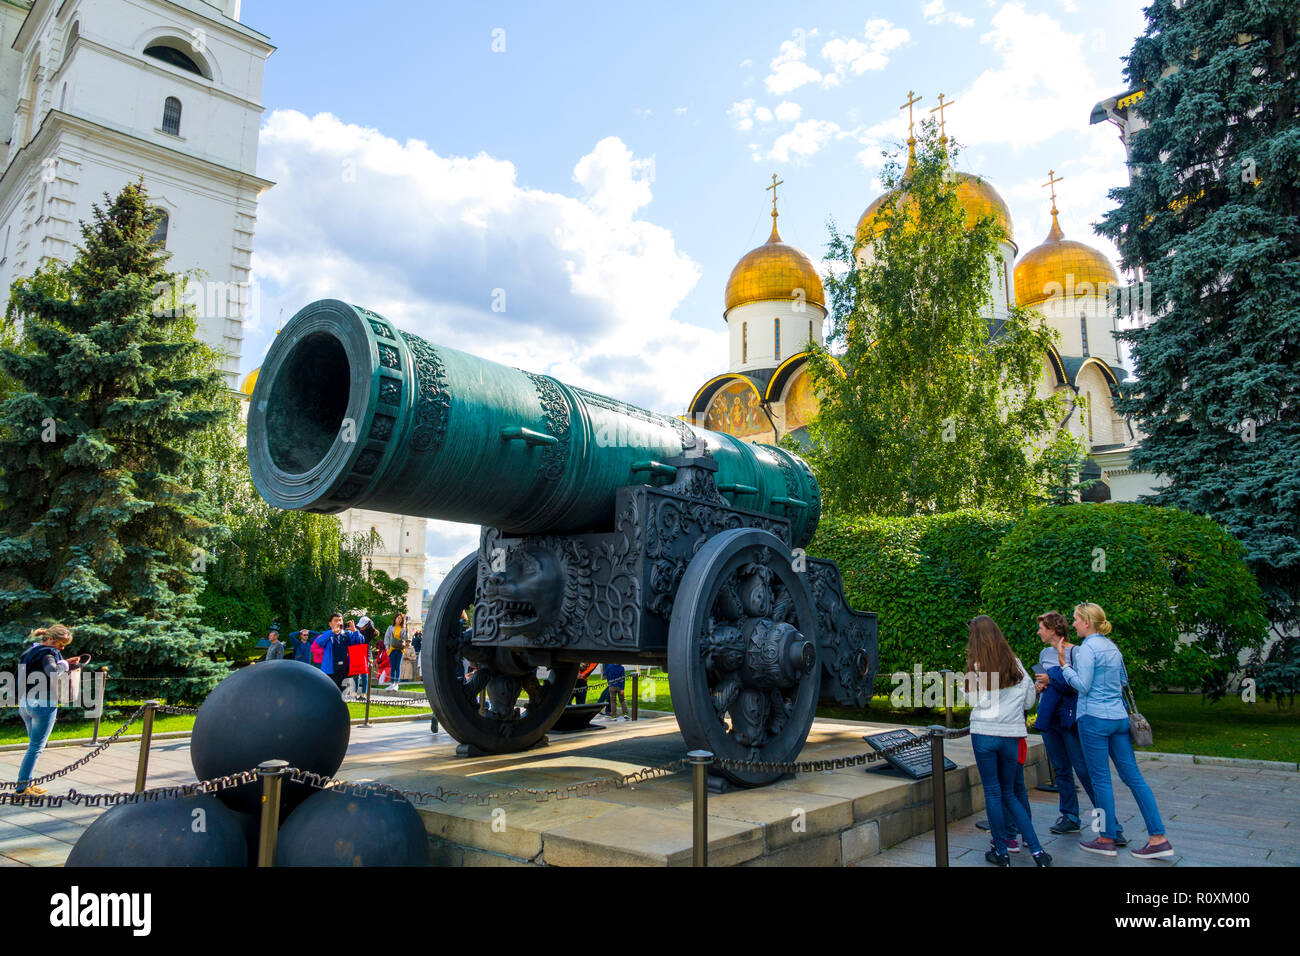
(1215, 816)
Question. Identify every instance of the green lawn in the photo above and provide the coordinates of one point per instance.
(14, 733)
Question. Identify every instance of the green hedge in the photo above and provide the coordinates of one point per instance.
(1158, 572)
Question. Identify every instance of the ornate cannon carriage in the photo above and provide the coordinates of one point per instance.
(609, 533)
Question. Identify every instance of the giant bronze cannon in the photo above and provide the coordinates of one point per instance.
(609, 533)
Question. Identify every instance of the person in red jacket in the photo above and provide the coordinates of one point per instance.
(580, 688)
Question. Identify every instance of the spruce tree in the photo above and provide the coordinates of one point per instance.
(1211, 218)
(929, 407)
(101, 528)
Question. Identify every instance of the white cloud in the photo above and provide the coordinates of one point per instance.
(742, 114)
(680, 111)
(879, 39)
(1042, 84)
(934, 12)
(425, 239)
(788, 112)
(806, 139)
(763, 114)
(789, 69)
(746, 63)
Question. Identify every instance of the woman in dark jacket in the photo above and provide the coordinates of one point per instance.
(38, 700)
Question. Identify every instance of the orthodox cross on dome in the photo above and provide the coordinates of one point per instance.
(1052, 180)
(943, 131)
(911, 99)
(775, 183)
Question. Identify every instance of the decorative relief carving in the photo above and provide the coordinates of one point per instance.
(381, 429)
(390, 391)
(555, 408)
(846, 639)
(433, 399)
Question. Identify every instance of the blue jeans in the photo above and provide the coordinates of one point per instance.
(39, 719)
(394, 666)
(995, 757)
(1105, 740)
(1066, 754)
(1018, 792)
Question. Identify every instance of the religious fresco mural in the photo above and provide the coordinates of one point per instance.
(735, 410)
(800, 402)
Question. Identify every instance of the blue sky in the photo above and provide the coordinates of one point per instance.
(607, 168)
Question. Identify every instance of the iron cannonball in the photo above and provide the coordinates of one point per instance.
(275, 710)
(332, 828)
(197, 830)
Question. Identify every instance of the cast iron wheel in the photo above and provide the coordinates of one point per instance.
(742, 653)
(498, 726)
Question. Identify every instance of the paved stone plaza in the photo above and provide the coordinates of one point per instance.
(1216, 816)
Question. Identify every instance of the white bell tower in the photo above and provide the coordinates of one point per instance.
(104, 92)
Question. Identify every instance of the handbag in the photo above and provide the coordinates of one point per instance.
(1139, 728)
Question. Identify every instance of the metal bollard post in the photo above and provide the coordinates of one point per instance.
(636, 695)
(272, 774)
(700, 760)
(939, 793)
(370, 686)
(146, 737)
(103, 676)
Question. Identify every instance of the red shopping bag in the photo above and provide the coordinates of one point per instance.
(358, 659)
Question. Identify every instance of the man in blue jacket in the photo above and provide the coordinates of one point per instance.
(302, 645)
(335, 642)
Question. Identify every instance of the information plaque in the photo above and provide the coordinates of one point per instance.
(914, 761)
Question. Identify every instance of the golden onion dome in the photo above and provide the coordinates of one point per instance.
(773, 271)
(976, 195)
(250, 382)
(1060, 264)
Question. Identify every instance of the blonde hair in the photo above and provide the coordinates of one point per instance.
(1095, 616)
(55, 632)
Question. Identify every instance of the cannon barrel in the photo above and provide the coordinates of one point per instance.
(351, 412)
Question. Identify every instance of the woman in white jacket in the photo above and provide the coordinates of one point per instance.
(1003, 690)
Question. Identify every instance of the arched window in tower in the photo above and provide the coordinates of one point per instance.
(33, 88)
(74, 32)
(1083, 332)
(810, 338)
(171, 122)
(776, 339)
(160, 230)
(173, 52)
(744, 343)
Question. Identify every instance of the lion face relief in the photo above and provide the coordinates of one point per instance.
(530, 591)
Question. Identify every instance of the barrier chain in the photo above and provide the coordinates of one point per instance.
(81, 762)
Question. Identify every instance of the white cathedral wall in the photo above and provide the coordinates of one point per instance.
(1062, 313)
(760, 318)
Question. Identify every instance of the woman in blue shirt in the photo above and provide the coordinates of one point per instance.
(1098, 674)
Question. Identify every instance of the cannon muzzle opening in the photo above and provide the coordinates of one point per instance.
(306, 416)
